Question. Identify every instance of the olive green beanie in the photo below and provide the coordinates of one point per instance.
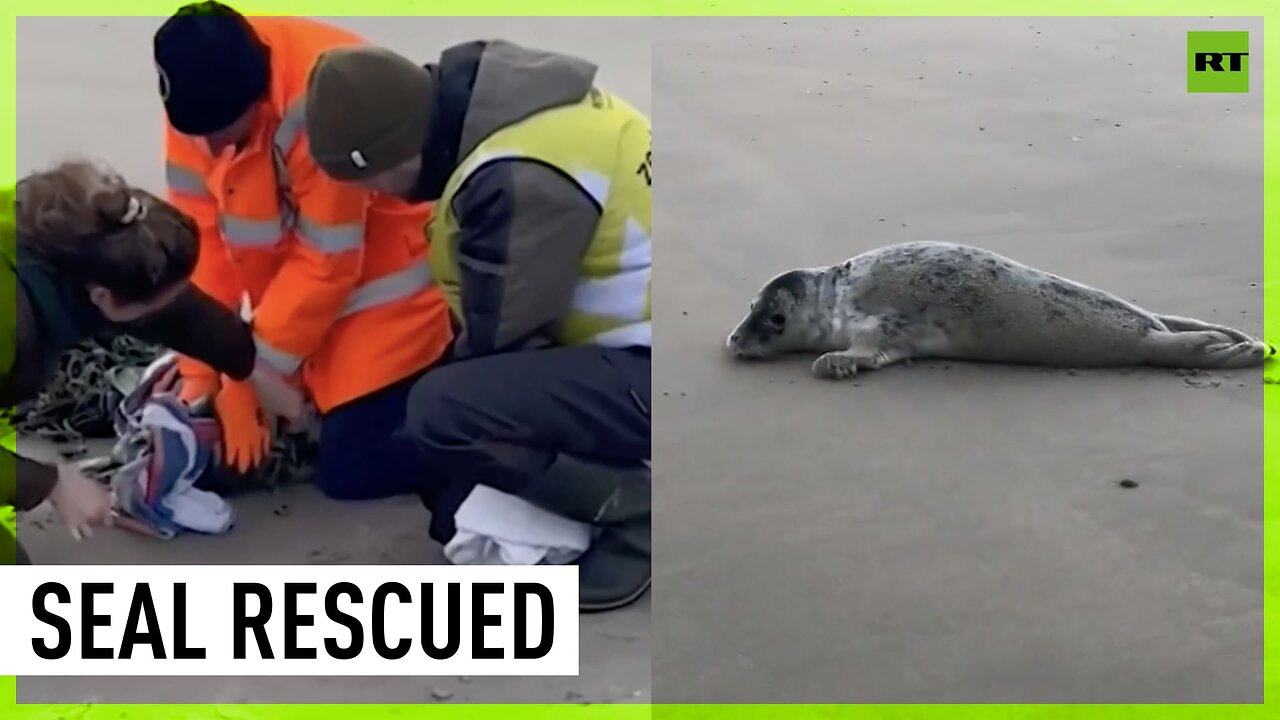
(368, 110)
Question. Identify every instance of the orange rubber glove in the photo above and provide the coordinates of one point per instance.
(245, 435)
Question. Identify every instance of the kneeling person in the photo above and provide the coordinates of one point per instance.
(541, 242)
(335, 277)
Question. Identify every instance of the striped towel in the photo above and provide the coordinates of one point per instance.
(165, 449)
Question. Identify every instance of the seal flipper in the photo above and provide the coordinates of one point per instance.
(1177, 323)
(843, 364)
(1203, 350)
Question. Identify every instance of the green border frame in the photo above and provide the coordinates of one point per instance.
(1175, 8)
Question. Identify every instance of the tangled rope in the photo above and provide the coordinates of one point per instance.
(79, 402)
(79, 405)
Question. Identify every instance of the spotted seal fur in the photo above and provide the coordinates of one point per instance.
(936, 300)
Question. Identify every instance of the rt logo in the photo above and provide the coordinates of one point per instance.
(1217, 62)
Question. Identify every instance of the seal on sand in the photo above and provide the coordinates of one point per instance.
(933, 300)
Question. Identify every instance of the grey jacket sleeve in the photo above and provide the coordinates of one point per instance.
(525, 227)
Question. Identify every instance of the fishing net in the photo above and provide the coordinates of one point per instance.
(78, 406)
(78, 403)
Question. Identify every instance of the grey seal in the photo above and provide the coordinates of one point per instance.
(938, 300)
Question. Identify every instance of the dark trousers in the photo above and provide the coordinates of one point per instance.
(498, 420)
(501, 420)
(365, 452)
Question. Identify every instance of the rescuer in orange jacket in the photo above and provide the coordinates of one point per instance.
(335, 277)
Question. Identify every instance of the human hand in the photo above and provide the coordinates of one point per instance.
(80, 501)
(245, 434)
(277, 395)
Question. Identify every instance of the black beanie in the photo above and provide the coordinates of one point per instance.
(212, 67)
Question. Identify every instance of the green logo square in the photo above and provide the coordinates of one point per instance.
(1217, 62)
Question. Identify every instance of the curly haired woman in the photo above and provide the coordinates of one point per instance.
(86, 253)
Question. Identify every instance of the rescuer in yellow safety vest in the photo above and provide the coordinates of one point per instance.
(541, 242)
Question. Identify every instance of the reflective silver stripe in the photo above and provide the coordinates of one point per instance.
(596, 185)
(285, 136)
(637, 249)
(249, 233)
(627, 336)
(280, 360)
(185, 181)
(622, 296)
(330, 238)
(384, 290)
(291, 125)
(282, 141)
(389, 288)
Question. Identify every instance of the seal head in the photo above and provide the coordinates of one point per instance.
(779, 320)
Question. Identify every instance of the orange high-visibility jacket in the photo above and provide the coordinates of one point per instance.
(336, 277)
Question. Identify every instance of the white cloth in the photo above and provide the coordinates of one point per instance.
(190, 507)
(496, 528)
(150, 424)
(199, 510)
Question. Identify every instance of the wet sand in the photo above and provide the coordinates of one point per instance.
(86, 85)
(952, 533)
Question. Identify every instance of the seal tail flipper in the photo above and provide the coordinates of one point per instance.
(1177, 323)
(1204, 350)
(1245, 355)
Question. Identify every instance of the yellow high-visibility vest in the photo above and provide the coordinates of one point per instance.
(605, 146)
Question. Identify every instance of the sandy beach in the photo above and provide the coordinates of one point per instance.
(951, 533)
(87, 86)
